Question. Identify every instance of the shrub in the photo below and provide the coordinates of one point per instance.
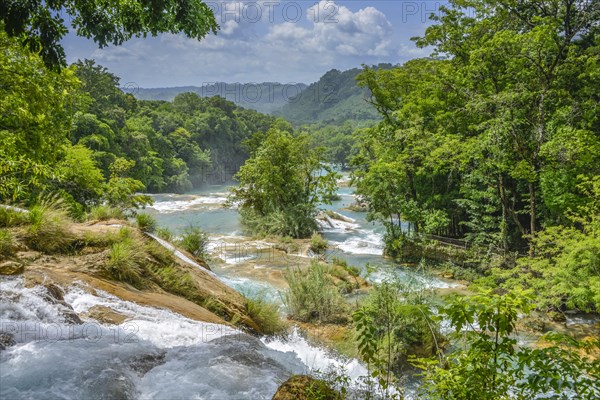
(124, 262)
(312, 295)
(266, 315)
(317, 244)
(7, 243)
(195, 241)
(393, 323)
(146, 222)
(279, 223)
(49, 228)
(12, 217)
(105, 212)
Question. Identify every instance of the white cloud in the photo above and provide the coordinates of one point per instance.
(328, 36)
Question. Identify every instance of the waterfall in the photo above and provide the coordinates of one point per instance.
(153, 354)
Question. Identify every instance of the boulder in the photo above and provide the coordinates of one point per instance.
(55, 295)
(6, 340)
(106, 315)
(11, 268)
(303, 387)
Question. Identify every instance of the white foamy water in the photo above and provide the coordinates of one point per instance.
(415, 280)
(365, 242)
(316, 358)
(154, 354)
(337, 225)
(189, 202)
(252, 288)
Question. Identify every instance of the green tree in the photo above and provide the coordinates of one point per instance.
(490, 364)
(282, 184)
(35, 115)
(39, 25)
(492, 132)
(122, 191)
(80, 177)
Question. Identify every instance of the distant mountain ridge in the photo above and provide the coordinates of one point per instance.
(264, 97)
(334, 98)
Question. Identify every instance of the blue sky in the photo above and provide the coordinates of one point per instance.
(276, 41)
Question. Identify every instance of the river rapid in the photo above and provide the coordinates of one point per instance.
(158, 354)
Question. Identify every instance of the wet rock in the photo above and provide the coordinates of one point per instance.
(55, 292)
(144, 363)
(108, 383)
(106, 315)
(303, 387)
(55, 295)
(6, 340)
(557, 316)
(11, 268)
(29, 256)
(71, 317)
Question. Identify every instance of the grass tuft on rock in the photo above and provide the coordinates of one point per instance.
(124, 262)
(194, 241)
(317, 244)
(165, 233)
(146, 222)
(104, 213)
(313, 296)
(266, 315)
(49, 229)
(7, 243)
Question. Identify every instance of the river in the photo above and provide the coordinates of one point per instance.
(158, 354)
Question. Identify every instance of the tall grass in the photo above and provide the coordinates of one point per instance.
(12, 217)
(124, 262)
(146, 222)
(313, 296)
(195, 241)
(104, 213)
(49, 229)
(266, 315)
(7, 243)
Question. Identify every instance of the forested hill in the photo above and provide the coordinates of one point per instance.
(89, 143)
(265, 97)
(335, 98)
(174, 145)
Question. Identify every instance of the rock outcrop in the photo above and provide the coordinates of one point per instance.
(303, 387)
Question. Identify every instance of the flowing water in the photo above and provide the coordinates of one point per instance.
(154, 354)
(240, 260)
(159, 354)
